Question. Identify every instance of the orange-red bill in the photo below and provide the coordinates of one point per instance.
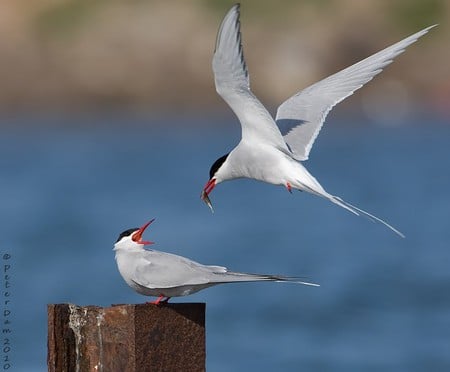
(137, 236)
(209, 186)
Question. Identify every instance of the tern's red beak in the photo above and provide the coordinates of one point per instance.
(137, 236)
(209, 186)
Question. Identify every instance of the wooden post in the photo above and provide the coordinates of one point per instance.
(126, 338)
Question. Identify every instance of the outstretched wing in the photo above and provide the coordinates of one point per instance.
(232, 84)
(301, 117)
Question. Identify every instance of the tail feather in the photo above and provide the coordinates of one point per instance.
(319, 191)
(246, 277)
(360, 212)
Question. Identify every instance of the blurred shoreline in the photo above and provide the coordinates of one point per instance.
(73, 55)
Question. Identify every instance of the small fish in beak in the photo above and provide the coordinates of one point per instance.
(207, 201)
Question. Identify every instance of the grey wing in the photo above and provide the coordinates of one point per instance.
(165, 270)
(232, 84)
(230, 69)
(158, 270)
(301, 117)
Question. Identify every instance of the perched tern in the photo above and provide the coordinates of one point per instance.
(165, 275)
(271, 150)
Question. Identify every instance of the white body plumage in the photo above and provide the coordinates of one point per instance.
(270, 150)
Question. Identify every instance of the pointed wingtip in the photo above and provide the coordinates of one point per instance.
(310, 284)
(235, 9)
(425, 30)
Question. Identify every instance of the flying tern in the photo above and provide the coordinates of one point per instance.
(271, 150)
(165, 275)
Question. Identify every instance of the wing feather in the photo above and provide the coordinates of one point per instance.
(157, 270)
(232, 84)
(165, 270)
(301, 117)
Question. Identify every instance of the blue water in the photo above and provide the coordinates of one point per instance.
(384, 302)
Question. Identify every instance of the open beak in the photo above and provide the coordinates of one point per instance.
(137, 236)
(206, 190)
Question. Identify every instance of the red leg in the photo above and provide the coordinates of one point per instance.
(289, 187)
(158, 300)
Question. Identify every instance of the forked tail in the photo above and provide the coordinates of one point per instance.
(359, 212)
(315, 188)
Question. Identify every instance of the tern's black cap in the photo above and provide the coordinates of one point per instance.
(127, 233)
(217, 164)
